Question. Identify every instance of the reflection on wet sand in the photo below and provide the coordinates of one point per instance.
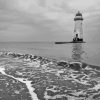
(77, 52)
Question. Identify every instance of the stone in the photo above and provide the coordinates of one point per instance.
(84, 65)
(75, 66)
(62, 63)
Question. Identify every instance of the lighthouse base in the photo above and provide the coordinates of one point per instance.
(77, 40)
(70, 42)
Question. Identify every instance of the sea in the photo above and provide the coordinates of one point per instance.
(88, 52)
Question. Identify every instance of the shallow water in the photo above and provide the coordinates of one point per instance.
(86, 52)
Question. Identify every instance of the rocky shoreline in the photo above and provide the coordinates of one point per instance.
(43, 60)
(48, 79)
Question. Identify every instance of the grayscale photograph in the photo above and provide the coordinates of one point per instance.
(49, 49)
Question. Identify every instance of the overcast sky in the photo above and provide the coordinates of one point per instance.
(47, 20)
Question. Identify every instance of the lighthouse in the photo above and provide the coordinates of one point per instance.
(78, 30)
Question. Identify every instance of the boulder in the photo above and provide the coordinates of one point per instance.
(35, 57)
(84, 65)
(75, 66)
(62, 63)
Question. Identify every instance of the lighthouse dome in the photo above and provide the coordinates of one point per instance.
(78, 14)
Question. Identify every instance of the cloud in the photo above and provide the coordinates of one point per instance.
(83, 4)
(46, 19)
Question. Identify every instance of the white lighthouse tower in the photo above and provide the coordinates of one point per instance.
(78, 30)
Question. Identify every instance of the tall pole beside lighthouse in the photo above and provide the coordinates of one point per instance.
(78, 30)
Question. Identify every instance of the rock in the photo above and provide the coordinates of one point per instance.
(40, 58)
(50, 93)
(35, 57)
(18, 55)
(84, 65)
(14, 55)
(62, 63)
(75, 66)
(26, 56)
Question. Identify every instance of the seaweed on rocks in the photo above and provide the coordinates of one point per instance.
(62, 63)
(75, 66)
(84, 65)
(72, 65)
